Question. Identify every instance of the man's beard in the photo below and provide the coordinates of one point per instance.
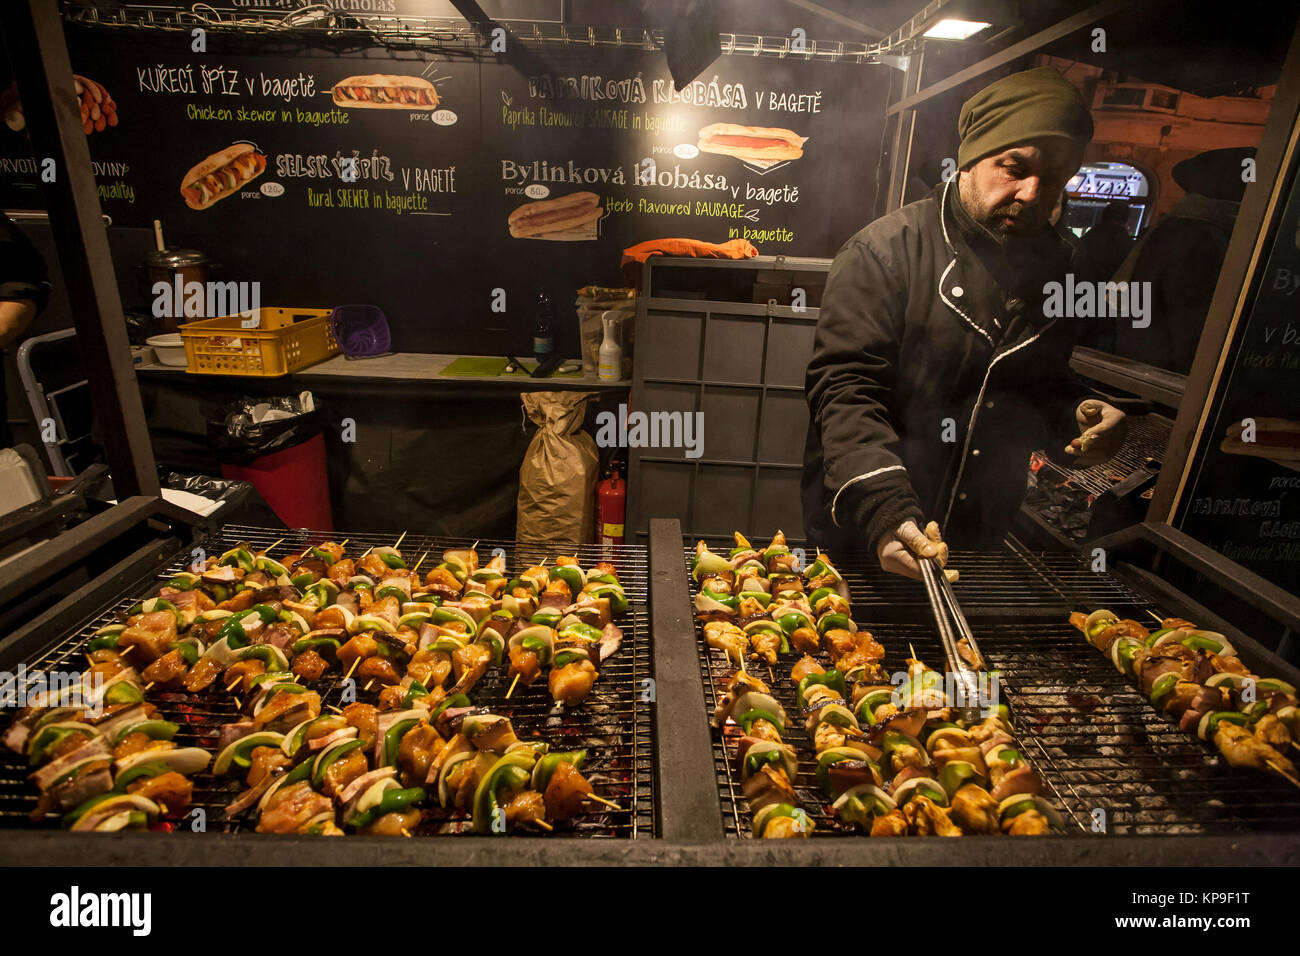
(994, 222)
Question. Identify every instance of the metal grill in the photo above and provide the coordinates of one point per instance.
(1147, 437)
(613, 724)
(1018, 578)
(1110, 762)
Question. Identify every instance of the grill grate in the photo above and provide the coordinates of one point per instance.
(1096, 741)
(613, 724)
(1016, 580)
(1147, 437)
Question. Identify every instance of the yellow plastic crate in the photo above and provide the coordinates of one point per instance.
(282, 341)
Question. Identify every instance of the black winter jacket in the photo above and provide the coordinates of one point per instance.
(934, 373)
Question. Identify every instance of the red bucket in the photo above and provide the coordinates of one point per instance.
(294, 482)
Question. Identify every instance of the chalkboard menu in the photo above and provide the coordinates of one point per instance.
(1243, 497)
(449, 189)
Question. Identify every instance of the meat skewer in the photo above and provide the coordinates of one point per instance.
(1195, 677)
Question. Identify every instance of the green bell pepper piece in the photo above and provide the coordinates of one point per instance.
(319, 773)
(831, 678)
(123, 692)
(393, 740)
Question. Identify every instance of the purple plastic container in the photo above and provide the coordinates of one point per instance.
(361, 330)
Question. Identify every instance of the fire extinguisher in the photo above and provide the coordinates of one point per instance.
(611, 500)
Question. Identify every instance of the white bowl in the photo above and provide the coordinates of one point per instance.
(170, 349)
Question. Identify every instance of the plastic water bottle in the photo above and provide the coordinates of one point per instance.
(543, 320)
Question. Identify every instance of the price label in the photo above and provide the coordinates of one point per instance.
(444, 117)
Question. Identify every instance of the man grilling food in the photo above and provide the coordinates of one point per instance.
(935, 373)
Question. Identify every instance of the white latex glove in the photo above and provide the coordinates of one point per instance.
(1101, 432)
(899, 550)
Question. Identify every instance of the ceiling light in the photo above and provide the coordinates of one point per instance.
(951, 29)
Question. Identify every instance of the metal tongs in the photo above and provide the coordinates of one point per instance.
(953, 629)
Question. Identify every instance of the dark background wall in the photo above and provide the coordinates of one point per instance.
(433, 266)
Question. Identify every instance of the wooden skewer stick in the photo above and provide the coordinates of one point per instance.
(474, 545)
(1156, 616)
(368, 550)
(1281, 772)
(911, 650)
(336, 710)
(399, 541)
(344, 542)
(149, 685)
(352, 668)
(238, 704)
(267, 550)
(512, 686)
(770, 676)
(544, 825)
(368, 684)
(233, 684)
(608, 803)
(420, 562)
(89, 660)
(406, 832)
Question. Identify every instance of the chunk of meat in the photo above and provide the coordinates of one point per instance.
(525, 664)
(566, 793)
(202, 675)
(244, 672)
(431, 668)
(570, 684)
(891, 824)
(416, 751)
(149, 637)
(343, 771)
(805, 666)
(379, 669)
(526, 806)
(364, 717)
(1028, 823)
(309, 666)
(1241, 748)
(166, 671)
(393, 824)
(361, 646)
(291, 807)
(805, 640)
(263, 762)
(974, 810)
(303, 706)
(169, 790)
(130, 744)
(927, 818)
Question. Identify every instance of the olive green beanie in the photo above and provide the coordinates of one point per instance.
(1022, 106)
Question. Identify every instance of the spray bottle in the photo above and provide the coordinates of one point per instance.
(610, 357)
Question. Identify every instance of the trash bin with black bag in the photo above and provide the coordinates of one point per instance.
(277, 445)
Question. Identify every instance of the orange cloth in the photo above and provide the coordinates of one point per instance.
(634, 256)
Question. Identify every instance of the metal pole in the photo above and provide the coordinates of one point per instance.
(33, 32)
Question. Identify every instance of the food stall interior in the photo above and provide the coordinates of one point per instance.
(430, 467)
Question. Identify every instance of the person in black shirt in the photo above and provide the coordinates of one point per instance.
(24, 292)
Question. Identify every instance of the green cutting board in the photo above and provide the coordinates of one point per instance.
(487, 366)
